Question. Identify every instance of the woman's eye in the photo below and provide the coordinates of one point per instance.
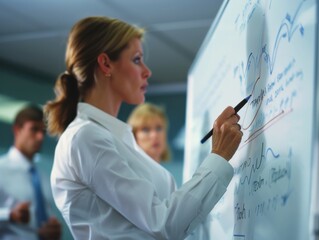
(159, 128)
(137, 60)
(146, 130)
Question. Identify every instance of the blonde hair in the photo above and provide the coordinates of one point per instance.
(88, 38)
(144, 113)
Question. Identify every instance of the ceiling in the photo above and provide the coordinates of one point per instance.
(33, 33)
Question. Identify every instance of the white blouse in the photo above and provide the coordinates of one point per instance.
(106, 187)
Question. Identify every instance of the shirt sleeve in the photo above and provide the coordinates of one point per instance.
(135, 198)
(4, 208)
(4, 215)
(4, 218)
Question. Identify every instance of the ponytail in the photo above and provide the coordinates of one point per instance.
(62, 110)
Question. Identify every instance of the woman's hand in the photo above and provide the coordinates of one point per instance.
(227, 134)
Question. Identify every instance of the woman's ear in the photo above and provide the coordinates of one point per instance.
(104, 63)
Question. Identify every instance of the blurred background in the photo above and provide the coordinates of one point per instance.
(33, 37)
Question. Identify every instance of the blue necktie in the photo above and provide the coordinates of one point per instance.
(40, 210)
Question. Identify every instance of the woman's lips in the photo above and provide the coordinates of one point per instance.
(144, 87)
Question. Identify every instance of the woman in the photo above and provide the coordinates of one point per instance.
(103, 186)
(149, 123)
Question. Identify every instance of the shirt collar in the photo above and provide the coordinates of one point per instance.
(115, 126)
(17, 158)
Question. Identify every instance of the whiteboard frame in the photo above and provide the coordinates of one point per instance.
(315, 174)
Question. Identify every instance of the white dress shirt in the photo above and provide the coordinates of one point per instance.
(106, 187)
(15, 187)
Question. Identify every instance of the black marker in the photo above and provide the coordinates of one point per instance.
(237, 108)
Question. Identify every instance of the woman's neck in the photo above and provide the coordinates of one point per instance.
(103, 100)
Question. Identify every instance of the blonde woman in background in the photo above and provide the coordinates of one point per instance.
(102, 184)
(149, 123)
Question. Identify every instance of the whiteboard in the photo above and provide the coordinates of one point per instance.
(268, 49)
